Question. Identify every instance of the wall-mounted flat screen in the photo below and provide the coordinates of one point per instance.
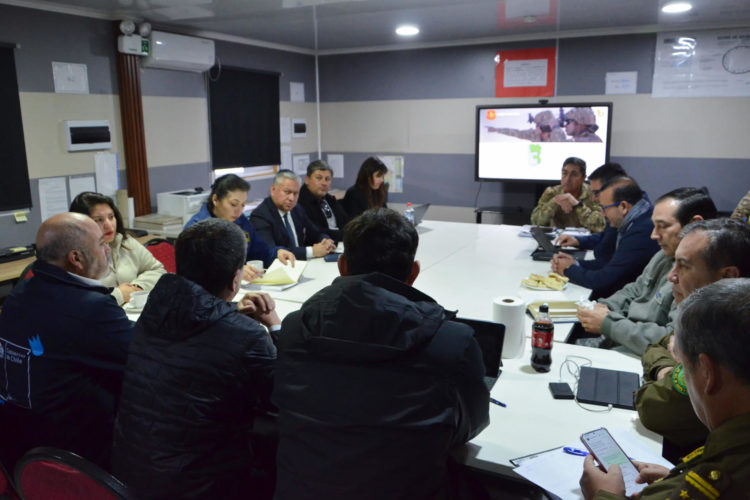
(530, 142)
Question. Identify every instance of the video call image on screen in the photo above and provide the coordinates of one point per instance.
(531, 143)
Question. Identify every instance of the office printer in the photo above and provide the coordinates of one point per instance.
(184, 203)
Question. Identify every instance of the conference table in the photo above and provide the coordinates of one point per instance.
(464, 267)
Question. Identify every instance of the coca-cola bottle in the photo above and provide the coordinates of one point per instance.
(542, 333)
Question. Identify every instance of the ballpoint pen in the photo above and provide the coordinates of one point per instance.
(498, 403)
(575, 451)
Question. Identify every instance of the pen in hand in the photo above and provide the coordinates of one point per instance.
(498, 403)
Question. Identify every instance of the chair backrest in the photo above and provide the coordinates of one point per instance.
(54, 474)
(163, 250)
(6, 485)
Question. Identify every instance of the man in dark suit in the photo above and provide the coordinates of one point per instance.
(280, 222)
(323, 209)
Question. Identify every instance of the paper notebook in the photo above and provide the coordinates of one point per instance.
(281, 274)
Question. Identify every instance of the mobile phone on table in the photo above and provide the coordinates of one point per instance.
(607, 452)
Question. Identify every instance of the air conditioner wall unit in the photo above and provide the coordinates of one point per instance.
(180, 52)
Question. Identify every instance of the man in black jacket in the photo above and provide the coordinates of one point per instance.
(280, 222)
(373, 384)
(199, 370)
(63, 346)
(323, 209)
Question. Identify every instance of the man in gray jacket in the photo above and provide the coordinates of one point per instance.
(641, 312)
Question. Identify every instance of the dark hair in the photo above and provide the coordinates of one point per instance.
(223, 186)
(85, 202)
(210, 252)
(371, 166)
(728, 243)
(693, 201)
(380, 240)
(607, 172)
(577, 162)
(316, 165)
(715, 320)
(625, 189)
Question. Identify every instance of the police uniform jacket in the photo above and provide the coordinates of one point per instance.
(719, 469)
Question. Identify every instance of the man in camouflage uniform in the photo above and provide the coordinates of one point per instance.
(570, 204)
(709, 251)
(712, 338)
(580, 125)
(546, 129)
(742, 212)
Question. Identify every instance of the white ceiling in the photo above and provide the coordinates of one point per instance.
(354, 25)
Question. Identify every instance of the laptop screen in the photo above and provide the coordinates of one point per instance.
(490, 337)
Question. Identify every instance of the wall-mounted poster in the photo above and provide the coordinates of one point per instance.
(525, 72)
(713, 63)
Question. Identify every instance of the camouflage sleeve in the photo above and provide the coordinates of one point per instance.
(656, 357)
(665, 410)
(742, 212)
(529, 135)
(545, 209)
(590, 216)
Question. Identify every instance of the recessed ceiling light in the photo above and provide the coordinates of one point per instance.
(676, 7)
(407, 30)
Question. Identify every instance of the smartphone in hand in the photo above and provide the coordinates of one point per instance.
(607, 452)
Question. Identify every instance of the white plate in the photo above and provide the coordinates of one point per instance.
(544, 288)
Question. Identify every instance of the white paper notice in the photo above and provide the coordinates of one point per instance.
(395, 175)
(296, 92)
(525, 73)
(77, 185)
(53, 197)
(621, 82)
(106, 173)
(336, 162)
(702, 63)
(286, 130)
(286, 157)
(300, 163)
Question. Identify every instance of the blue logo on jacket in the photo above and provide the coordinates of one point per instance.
(37, 349)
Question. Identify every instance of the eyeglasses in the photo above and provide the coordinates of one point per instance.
(605, 207)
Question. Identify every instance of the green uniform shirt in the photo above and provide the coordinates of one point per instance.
(586, 214)
(720, 469)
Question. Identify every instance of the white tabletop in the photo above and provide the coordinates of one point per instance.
(534, 422)
(464, 267)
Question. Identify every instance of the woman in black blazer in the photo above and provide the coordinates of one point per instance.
(370, 189)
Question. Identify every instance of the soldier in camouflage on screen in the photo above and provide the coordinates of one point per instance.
(742, 212)
(580, 125)
(546, 129)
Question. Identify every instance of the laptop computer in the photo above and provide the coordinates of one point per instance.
(546, 250)
(490, 337)
(607, 387)
(419, 212)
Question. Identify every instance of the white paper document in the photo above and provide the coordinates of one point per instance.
(78, 185)
(286, 158)
(53, 197)
(336, 162)
(106, 173)
(559, 472)
(281, 274)
(285, 130)
(525, 73)
(621, 82)
(300, 163)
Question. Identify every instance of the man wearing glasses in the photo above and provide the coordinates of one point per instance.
(626, 210)
(321, 208)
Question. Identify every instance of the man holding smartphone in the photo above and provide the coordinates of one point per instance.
(712, 341)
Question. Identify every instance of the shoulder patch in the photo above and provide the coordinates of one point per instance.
(693, 454)
(705, 482)
(678, 380)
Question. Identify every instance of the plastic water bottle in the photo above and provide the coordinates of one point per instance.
(409, 213)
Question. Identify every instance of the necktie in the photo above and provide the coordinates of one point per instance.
(289, 231)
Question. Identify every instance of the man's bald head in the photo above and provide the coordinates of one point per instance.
(70, 241)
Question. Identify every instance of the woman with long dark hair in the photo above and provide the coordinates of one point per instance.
(370, 190)
(227, 201)
(132, 268)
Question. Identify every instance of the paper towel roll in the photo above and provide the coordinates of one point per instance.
(511, 312)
